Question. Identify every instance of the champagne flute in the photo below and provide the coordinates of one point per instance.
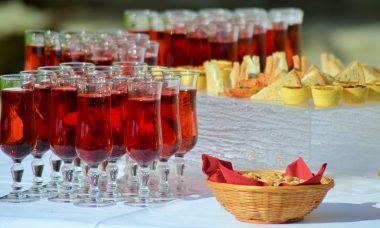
(119, 99)
(189, 127)
(171, 131)
(144, 133)
(94, 135)
(17, 131)
(62, 131)
(42, 108)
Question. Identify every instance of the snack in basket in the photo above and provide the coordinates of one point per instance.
(251, 199)
(272, 179)
(222, 171)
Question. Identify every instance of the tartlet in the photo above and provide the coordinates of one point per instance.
(293, 95)
(374, 92)
(355, 94)
(326, 96)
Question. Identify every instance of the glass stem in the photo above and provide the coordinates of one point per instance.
(55, 165)
(179, 166)
(163, 169)
(37, 168)
(132, 174)
(112, 171)
(153, 179)
(17, 172)
(144, 178)
(67, 175)
(93, 176)
(77, 175)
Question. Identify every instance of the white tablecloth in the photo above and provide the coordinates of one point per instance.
(354, 202)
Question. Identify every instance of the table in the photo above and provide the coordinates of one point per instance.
(354, 202)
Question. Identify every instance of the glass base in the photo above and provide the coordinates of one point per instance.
(161, 197)
(185, 192)
(113, 196)
(18, 198)
(129, 191)
(83, 192)
(53, 186)
(63, 197)
(37, 192)
(139, 202)
(90, 202)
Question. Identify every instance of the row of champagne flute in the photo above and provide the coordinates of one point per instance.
(49, 48)
(83, 109)
(190, 38)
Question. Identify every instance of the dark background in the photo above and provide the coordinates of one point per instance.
(348, 28)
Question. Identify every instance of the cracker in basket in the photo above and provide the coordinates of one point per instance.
(273, 179)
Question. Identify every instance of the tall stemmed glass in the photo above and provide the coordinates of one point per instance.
(171, 130)
(42, 107)
(72, 45)
(81, 69)
(62, 131)
(98, 49)
(189, 127)
(129, 69)
(94, 134)
(144, 133)
(119, 99)
(34, 49)
(17, 132)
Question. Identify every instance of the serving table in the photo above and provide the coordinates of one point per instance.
(354, 202)
(346, 138)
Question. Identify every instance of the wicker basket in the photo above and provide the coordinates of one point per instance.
(258, 204)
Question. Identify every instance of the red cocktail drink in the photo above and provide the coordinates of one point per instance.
(34, 57)
(144, 137)
(177, 49)
(276, 38)
(171, 129)
(72, 56)
(223, 50)
(188, 119)
(42, 107)
(93, 135)
(63, 122)
(119, 104)
(18, 133)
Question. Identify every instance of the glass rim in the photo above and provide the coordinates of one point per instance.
(17, 77)
(76, 64)
(35, 31)
(149, 80)
(133, 63)
(136, 10)
(37, 72)
(49, 67)
(184, 71)
(106, 66)
(74, 32)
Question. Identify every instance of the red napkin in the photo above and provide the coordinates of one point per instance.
(222, 171)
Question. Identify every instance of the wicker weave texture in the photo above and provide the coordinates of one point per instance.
(258, 204)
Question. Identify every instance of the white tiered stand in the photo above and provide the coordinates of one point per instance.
(269, 135)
